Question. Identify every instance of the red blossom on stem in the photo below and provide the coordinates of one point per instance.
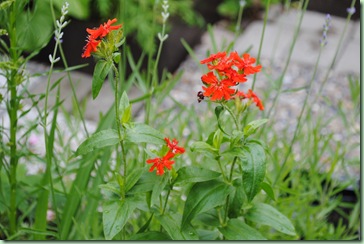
(165, 162)
(173, 146)
(253, 96)
(90, 47)
(160, 163)
(217, 89)
(95, 36)
(226, 72)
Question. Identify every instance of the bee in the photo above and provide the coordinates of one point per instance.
(200, 96)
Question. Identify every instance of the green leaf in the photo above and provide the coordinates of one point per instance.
(209, 218)
(204, 147)
(254, 166)
(80, 9)
(6, 4)
(111, 187)
(102, 69)
(124, 108)
(268, 189)
(145, 183)
(236, 229)
(234, 152)
(100, 139)
(253, 126)
(34, 27)
(195, 174)
(172, 222)
(217, 139)
(158, 187)
(115, 215)
(237, 199)
(133, 177)
(151, 235)
(139, 133)
(237, 139)
(208, 235)
(204, 196)
(218, 111)
(265, 214)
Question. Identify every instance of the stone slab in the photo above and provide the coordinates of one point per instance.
(349, 61)
(279, 35)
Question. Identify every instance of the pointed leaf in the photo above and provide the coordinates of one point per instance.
(204, 147)
(237, 199)
(218, 111)
(145, 183)
(253, 126)
(100, 139)
(158, 187)
(172, 222)
(204, 196)
(124, 108)
(102, 69)
(139, 132)
(149, 236)
(115, 215)
(33, 27)
(133, 177)
(265, 214)
(268, 189)
(254, 166)
(236, 229)
(195, 174)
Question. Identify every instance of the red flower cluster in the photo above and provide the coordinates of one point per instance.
(165, 161)
(95, 36)
(226, 72)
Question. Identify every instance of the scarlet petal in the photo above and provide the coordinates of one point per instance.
(213, 57)
(173, 146)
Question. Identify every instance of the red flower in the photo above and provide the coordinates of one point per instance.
(213, 57)
(95, 36)
(160, 163)
(217, 89)
(173, 148)
(90, 47)
(251, 95)
(104, 29)
(246, 65)
(235, 76)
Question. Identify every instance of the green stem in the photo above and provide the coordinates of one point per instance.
(297, 129)
(280, 80)
(165, 203)
(118, 127)
(232, 115)
(13, 117)
(228, 197)
(238, 23)
(221, 169)
(261, 39)
(338, 48)
(74, 95)
(154, 82)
